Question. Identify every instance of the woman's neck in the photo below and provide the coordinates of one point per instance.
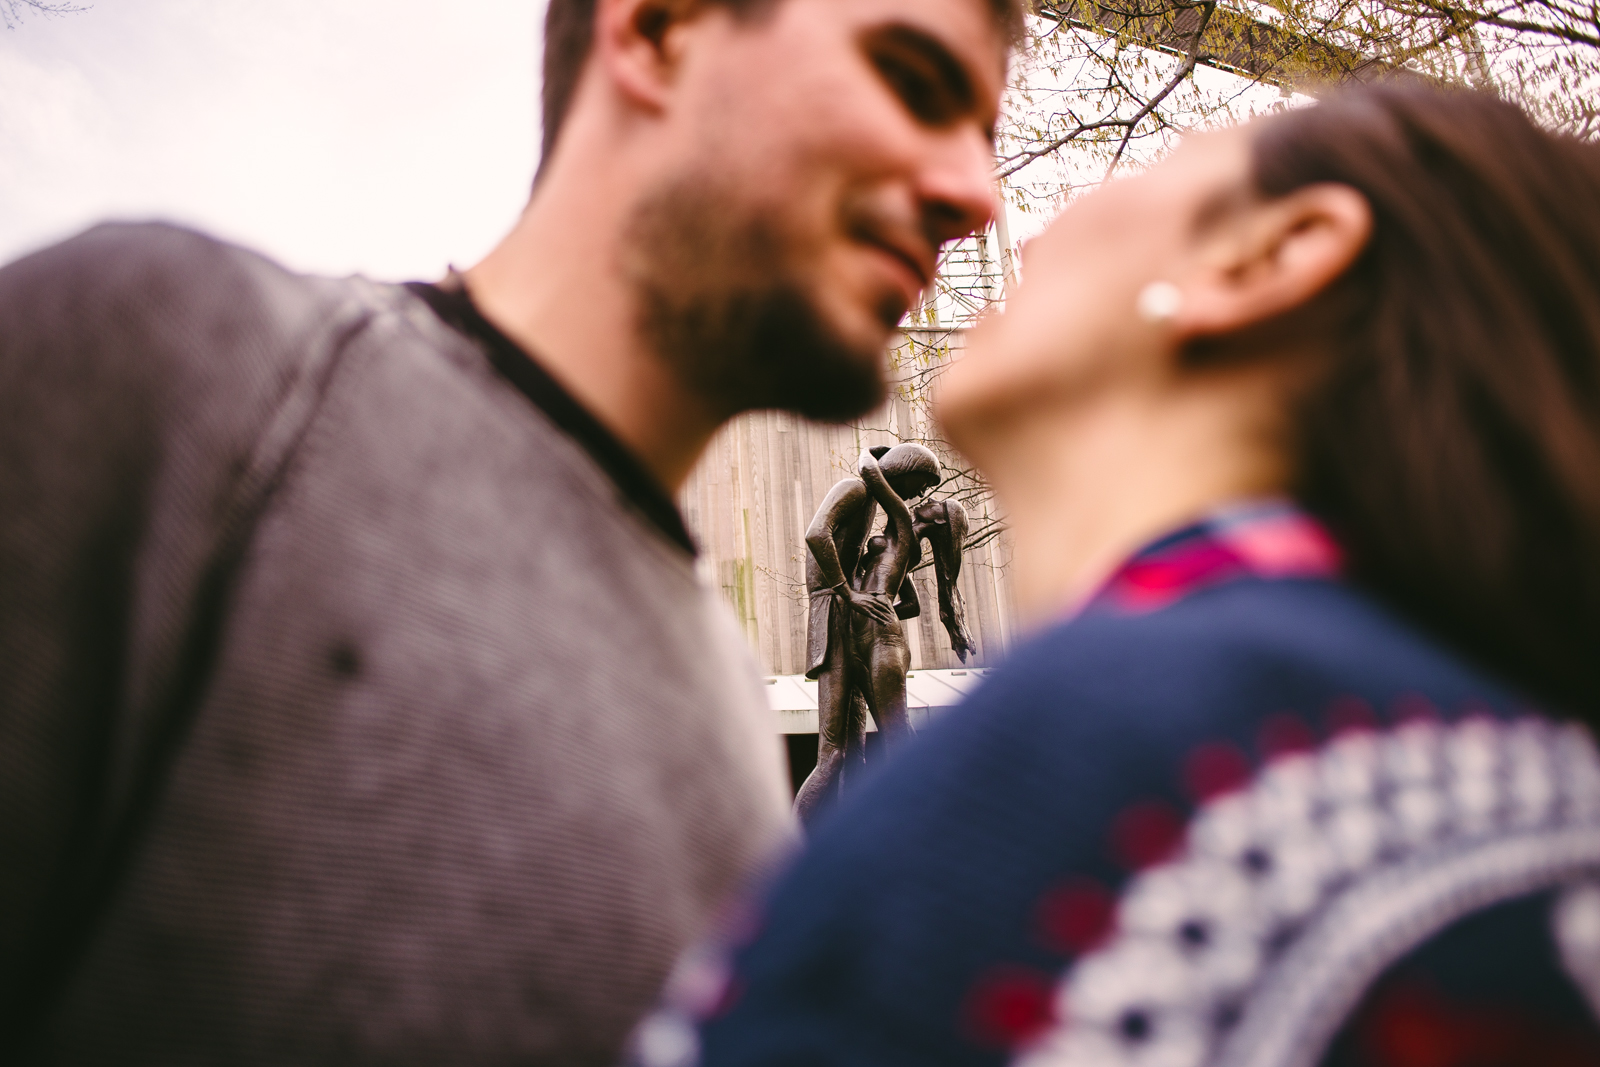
(1083, 489)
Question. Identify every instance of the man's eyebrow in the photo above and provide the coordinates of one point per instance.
(952, 72)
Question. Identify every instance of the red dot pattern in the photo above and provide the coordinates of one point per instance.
(1075, 916)
(1215, 769)
(1414, 707)
(1285, 734)
(1008, 1006)
(1349, 714)
(1146, 834)
(1410, 1023)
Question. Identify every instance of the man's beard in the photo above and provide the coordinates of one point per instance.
(722, 303)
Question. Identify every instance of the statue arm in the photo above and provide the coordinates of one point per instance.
(846, 495)
(900, 522)
(910, 605)
(947, 540)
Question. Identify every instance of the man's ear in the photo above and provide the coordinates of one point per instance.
(1272, 258)
(634, 43)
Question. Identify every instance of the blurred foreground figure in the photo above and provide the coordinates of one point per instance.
(1299, 437)
(359, 702)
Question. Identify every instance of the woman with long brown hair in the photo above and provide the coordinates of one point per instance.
(1298, 434)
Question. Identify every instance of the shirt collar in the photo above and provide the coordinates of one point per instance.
(1269, 538)
(451, 302)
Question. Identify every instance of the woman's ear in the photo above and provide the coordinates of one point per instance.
(633, 42)
(1272, 257)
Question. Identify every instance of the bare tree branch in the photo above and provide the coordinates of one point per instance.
(11, 11)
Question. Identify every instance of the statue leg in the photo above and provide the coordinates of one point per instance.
(822, 784)
(841, 723)
(889, 660)
(855, 736)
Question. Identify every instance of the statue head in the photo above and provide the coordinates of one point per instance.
(911, 469)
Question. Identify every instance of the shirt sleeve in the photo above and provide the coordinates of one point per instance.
(148, 376)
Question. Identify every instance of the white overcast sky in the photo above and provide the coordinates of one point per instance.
(386, 137)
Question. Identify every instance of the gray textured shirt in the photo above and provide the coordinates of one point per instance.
(348, 712)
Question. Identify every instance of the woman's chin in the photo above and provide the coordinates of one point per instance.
(971, 415)
(951, 409)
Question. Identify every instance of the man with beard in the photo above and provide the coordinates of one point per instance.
(358, 699)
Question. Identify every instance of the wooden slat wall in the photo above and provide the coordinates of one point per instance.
(754, 493)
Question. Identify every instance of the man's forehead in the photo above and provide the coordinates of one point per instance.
(968, 29)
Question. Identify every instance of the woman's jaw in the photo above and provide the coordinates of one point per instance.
(1078, 406)
(1081, 489)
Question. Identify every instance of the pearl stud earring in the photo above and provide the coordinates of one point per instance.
(1159, 301)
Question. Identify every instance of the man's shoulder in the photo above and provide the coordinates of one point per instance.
(119, 275)
(162, 266)
(113, 255)
(150, 240)
(148, 362)
(162, 317)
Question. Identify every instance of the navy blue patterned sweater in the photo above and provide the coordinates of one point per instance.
(1234, 812)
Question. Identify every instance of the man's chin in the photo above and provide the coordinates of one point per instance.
(831, 374)
(723, 302)
(837, 371)
(839, 392)
(816, 366)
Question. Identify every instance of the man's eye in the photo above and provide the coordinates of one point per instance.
(919, 91)
(926, 76)
(917, 87)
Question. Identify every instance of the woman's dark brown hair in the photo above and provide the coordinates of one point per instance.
(1454, 445)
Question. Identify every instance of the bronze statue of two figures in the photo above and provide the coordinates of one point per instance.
(861, 590)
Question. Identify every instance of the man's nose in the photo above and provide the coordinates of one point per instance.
(956, 187)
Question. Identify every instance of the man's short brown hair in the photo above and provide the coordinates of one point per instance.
(569, 32)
